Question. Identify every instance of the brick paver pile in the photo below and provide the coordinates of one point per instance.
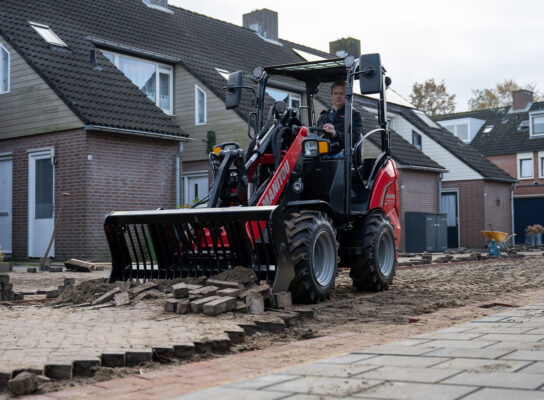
(496, 357)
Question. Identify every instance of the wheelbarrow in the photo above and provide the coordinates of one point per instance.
(496, 240)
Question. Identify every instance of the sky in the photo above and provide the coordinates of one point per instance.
(468, 44)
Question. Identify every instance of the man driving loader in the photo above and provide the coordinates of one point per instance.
(332, 120)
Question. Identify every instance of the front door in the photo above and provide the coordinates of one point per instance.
(448, 206)
(6, 176)
(196, 187)
(41, 202)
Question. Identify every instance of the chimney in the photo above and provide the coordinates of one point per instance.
(264, 22)
(520, 99)
(343, 47)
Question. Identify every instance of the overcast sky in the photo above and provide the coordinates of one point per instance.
(470, 44)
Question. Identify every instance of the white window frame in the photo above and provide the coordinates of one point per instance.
(2, 72)
(197, 91)
(531, 116)
(541, 164)
(53, 40)
(192, 174)
(414, 134)
(166, 69)
(525, 156)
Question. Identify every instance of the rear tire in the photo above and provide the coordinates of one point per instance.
(375, 268)
(314, 250)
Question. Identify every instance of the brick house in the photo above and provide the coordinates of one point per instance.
(98, 102)
(511, 137)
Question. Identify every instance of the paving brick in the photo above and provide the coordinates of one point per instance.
(136, 357)
(468, 353)
(404, 361)
(332, 370)
(183, 306)
(236, 336)
(394, 349)
(409, 374)
(79, 265)
(171, 305)
(197, 305)
(263, 381)
(204, 291)
(409, 390)
(58, 370)
(85, 367)
(459, 344)
(55, 269)
(22, 384)
(348, 359)
(508, 380)
(6, 286)
(223, 393)
(220, 346)
(180, 290)
(534, 368)
(449, 335)
(143, 287)
(255, 303)
(484, 365)
(106, 297)
(323, 386)
(511, 337)
(32, 270)
(225, 284)
(263, 290)
(219, 306)
(121, 299)
(69, 281)
(163, 354)
(528, 355)
(4, 278)
(282, 300)
(184, 351)
(113, 360)
(504, 394)
(230, 292)
(51, 294)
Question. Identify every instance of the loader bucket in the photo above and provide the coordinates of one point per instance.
(179, 243)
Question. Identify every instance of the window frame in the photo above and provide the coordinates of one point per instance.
(541, 164)
(55, 41)
(291, 95)
(167, 69)
(418, 135)
(2, 72)
(524, 157)
(531, 124)
(197, 90)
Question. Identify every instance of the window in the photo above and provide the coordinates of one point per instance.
(537, 124)
(154, 79)
(525, 165)
(4, 70)
(541, 164)
(223, 72)
(47, 34)
(200, 106)
(416, 140)
(291, 99)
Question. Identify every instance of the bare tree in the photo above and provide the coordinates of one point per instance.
(500, 95)
(432, 98)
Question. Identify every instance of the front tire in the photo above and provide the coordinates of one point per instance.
(375, 268)
(314, 250)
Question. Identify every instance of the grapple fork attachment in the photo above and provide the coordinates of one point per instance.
(170, 244)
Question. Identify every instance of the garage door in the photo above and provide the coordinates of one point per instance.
(527, 212)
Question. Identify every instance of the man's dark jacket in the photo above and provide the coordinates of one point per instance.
(338, 122)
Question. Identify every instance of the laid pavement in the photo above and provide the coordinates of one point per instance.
(499, 356)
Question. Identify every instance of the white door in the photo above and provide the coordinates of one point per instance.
(41, 202)
(196, 187)
(6, 176)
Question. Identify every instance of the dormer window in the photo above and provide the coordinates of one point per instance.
(536, 124)
(47, 34)
(291, 99)
(460, 130)
(464, 128)
(152, 78)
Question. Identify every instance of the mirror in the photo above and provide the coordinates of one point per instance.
(234, 90)
(370, 77)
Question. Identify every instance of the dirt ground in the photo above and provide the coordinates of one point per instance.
(421, 299)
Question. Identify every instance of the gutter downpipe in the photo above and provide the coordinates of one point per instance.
(512, 210)
(440, 192)
(179, 171)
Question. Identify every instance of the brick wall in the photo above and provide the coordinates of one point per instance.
(124, 174)
(418, 192)
(525, 187)
(478, 208)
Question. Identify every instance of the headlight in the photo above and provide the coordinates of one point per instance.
(313, 148)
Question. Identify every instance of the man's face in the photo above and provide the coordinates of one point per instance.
(338, 97)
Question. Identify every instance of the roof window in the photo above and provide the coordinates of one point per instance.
(223, 72)
(47, 34)
(488, 128)
(427, 120)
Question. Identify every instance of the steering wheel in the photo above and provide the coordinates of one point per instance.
(320, 130)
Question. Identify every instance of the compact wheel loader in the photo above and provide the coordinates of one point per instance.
(285, 207)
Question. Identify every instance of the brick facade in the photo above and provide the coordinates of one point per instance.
(124, 174)
(478, 209)
(418, 192)
(525, 187)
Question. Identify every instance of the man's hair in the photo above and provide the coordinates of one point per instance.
(340, 82)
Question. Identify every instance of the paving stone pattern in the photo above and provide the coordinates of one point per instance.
(496, 357)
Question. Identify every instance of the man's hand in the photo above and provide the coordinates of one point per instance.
(329, 128)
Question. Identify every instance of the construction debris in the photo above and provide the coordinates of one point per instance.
(255, 303)
(6, 289)
(282, 300)
(24, 383)
(79, 266)
(225, 284)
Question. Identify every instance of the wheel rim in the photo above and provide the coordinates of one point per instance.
(323, 258)
(386, 253)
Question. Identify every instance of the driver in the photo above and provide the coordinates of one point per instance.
(332, 120)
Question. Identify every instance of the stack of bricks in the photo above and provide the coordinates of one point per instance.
(6, 289)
